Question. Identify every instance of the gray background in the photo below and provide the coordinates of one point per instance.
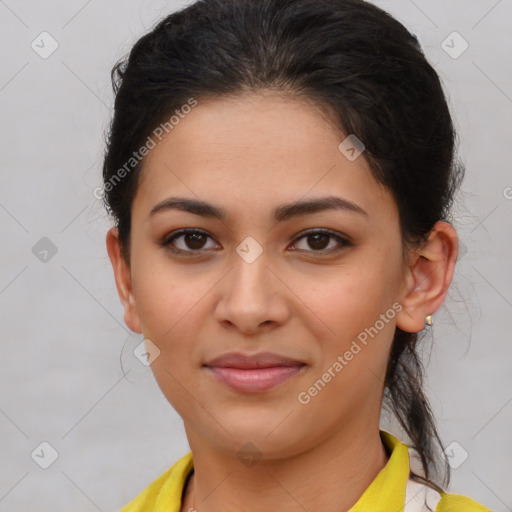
(63, 335)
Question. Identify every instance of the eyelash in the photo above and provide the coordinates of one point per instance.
(167, 240)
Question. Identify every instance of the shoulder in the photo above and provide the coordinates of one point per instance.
(422, 498)
(459, 503)
(164, 494)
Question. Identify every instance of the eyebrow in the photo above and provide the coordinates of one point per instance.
(281, 213)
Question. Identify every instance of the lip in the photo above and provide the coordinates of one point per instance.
(253, 373)
(252, 361)
(255, 380)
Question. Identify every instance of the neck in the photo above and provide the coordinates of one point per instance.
(331, 476)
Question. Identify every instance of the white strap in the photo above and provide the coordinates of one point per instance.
(419, 497)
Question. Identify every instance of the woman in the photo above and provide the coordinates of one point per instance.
(280, 174)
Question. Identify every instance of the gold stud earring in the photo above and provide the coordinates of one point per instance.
(428, 320)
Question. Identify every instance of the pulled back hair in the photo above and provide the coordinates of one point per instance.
(347, 56)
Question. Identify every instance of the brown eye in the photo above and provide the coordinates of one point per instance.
(186, 240)
(318, 241)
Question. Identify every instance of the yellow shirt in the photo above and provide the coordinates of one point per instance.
(391, 490)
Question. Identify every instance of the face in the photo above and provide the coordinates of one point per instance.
(304, 283)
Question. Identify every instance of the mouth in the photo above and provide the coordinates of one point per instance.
(254, 373)
(255, 380)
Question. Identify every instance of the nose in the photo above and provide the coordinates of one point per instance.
(252, 297)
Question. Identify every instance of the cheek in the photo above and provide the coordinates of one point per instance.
(169, 305)
(349, 311)
(353, 343)
(166, 293)
(344, 301)
(172, 303)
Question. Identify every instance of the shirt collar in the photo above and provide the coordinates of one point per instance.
(386, 493)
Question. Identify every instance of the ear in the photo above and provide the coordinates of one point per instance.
(428, 276)
(123, 279)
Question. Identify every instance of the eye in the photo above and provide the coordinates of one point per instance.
(319, 241)
(193, 240)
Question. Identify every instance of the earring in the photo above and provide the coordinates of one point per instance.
(428, 320)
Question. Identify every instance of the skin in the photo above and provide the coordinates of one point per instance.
(248, 155)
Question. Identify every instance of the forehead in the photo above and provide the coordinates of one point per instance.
(260, 149)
